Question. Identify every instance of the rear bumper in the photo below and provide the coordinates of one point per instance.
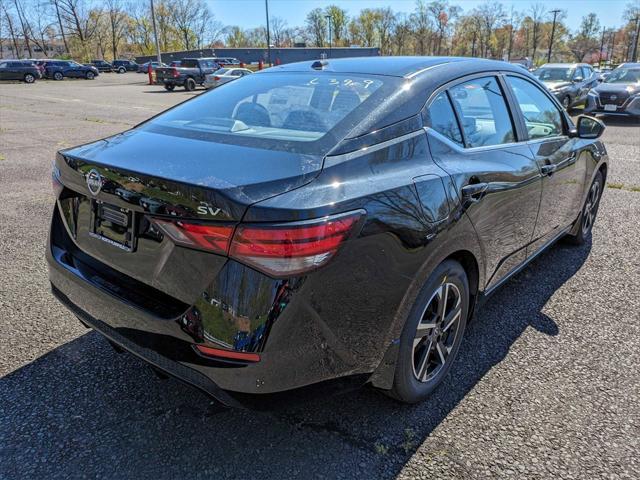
(297, 349)
(149, 355)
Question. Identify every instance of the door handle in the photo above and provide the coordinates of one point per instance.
(547, 170)
(474, 191)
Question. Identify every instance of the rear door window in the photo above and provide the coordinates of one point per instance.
(542, 118)
(483, 112)
(442, 119)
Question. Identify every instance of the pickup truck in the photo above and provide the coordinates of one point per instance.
(191, 72)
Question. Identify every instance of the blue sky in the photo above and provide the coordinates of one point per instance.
(250, 13)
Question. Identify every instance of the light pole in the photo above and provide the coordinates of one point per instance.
(553, 31)
(155, 32)
(328, 17)
(266, 7)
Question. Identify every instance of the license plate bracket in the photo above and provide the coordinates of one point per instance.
(610, 107)
(113, 225)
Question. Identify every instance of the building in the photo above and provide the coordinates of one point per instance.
(278, 55)
(7, 49)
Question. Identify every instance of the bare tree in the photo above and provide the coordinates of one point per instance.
(23, 23)
(339, 22)
(278, 30)
(117, 24)
(422, 27)
(59, 18)
(537, 12)
(12, 31)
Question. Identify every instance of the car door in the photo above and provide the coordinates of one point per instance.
(495, 178)
(581, 82)
(557, 155)
(4, 70)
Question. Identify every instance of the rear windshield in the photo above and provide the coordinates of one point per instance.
(303, 112)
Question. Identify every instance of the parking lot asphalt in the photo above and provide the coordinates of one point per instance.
(547, 383)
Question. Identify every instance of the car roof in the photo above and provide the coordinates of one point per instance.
(396, 66)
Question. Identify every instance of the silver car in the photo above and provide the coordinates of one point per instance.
(224, 75)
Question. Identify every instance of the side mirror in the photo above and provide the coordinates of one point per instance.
(589, 127)
(578, 79)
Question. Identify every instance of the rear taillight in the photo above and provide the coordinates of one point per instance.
(288, 249)
(227, 354)
(216, 78)
(278, 250)
(214, 238)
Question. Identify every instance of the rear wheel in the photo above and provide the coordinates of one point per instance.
(29, 78)
(566, 101)
(89, 75)
(169, 87)
(589, 211)
(432, 335)
(58, 76)
(122, 70)
(190, 84)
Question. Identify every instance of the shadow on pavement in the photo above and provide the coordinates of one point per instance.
(618, 121)
(83, 410)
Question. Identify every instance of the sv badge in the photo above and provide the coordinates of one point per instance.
(208, 210)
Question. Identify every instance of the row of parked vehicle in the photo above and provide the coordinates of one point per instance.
(207, 72)
(616, 92)
(31, 70)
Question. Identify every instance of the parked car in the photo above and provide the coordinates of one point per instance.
(227, 61)
(123, 66)
(59, 69)
(224, 75)
(337, 219)
(144, 67)
(175, 63)
(569, 82)
(101, 65)
(619, 94)
(191, 72)
(21, 70)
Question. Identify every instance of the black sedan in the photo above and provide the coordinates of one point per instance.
(569, 82)
(101, 65)
(123, 66)
(321, 221)
(24, 71)
(618, 94)
(59, 69)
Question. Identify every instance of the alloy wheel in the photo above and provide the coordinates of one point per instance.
(28, 78)
(565, 102)
(590, 208)
(436, 332)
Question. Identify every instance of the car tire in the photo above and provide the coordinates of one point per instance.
(58, 76)
(427, 352)
(566, 102)
(29, 78)
(589, 211)
(169, 87)
(89, 75)
(189, 84)
(122, 70)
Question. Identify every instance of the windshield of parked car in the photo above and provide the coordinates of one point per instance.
(624, 75)
(554, 74)
(287, 111)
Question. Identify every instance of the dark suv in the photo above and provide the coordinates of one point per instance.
(19, 70)
(569, 82)
(122, 66)
(329, 220)
(101, 65)
(59, 69)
